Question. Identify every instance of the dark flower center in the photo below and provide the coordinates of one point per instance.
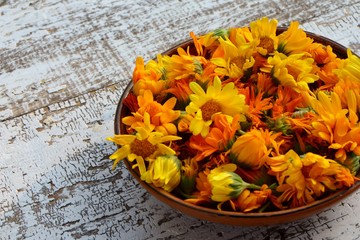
(142, 148)
(209, 108)
(267, 43)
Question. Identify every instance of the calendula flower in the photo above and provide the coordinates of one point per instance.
(161, 116)
(252, 149)
(258, 105)
(145, 145)
(180, 89)
(183, 65)
(293, 40)
(232, 61)
(249, 201)
(304, 179)
(349, 94)
(327, 74)
(189, 171)
(203, 186)
(287, 101)
(225, 184)
(150, 77)
(264, 32)
(164, 172)
(350, 68)
(184, 122)
(322, 54)
(216, 99)
(294, 71)
(220, 137)
(240, 36)
(265, 84)
(335, 125)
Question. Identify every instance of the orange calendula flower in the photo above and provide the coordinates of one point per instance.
(265, 84)
(253, 148)
(322, 54)
(249, 201)
(149, 77)
(189, 171)
(336, 125)
(161, 116)
(145, 145)
(286, 102)
(257, 106)
(219, 138)
(216, 99)
(180, 89)
(327, 74)
(183, 65)
(304, 179)
(203, 186)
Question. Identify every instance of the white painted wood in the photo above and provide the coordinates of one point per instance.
(63, 67)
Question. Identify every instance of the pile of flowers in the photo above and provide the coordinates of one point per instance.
(245, 119)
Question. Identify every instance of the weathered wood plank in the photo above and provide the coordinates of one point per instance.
(57, 50)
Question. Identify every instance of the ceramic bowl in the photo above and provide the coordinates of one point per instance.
(229, 217)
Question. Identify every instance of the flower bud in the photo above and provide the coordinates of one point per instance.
(225, 184)
(188, 176)
(164, 172)
(250, 149)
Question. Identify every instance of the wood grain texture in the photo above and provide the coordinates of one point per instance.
(63, 68)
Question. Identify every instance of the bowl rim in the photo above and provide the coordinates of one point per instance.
(307, 210)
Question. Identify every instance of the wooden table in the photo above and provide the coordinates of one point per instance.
(64, 65)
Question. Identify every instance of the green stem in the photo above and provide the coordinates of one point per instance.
(263, 208)
(253, 186)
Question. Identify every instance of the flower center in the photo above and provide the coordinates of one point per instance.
(142, 148)
(238, 61)
(267, 43)
(209, 108)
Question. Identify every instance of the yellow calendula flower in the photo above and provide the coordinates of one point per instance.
(293, 40)
(145, 145)
(252, 149)
(349, 68)
(264, 33)
(162, 116)
(216, 99)
(232, 61)
(225, 184)
(294, 71)
(164, 172)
